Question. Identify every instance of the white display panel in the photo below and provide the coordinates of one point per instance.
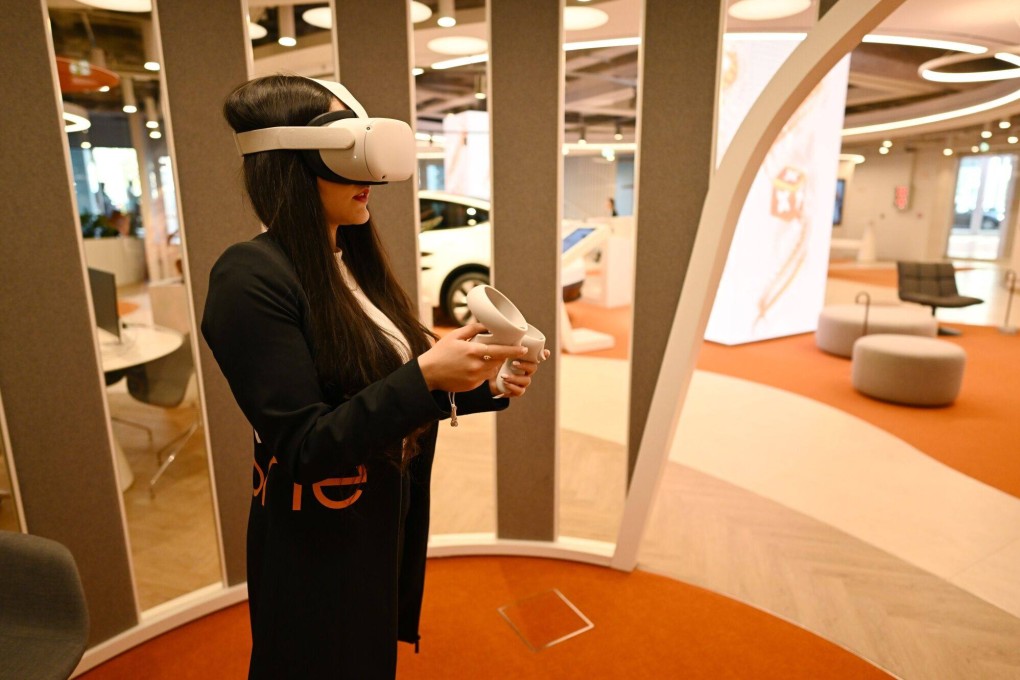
(774, 281)
(466, 163)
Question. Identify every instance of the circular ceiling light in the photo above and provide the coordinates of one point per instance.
(256, 31)
(120, 5)
(320, 17)
(76, 118)
(929, 69)
(583, 18)
(458, 45)
(420, 12)
(763, 10)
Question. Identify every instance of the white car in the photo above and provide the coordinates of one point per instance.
(456, 247)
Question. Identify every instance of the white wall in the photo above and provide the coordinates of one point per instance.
(920, 231)
(588, 181)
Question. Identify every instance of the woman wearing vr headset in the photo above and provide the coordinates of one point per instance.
(342, 384)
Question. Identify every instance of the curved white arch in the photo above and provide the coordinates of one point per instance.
(838, 32)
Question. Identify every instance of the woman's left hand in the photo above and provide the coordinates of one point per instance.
(515, 384)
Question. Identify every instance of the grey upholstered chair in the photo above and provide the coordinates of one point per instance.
(164, 383)
(44, 624)
(932, 284)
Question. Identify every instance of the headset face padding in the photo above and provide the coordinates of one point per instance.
(383, 150)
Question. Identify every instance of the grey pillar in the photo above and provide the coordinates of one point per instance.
(375, 60)
(526, 108)
(674, 163)
(50, 375)
(205, 56)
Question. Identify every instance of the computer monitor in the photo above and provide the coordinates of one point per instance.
(104, 300)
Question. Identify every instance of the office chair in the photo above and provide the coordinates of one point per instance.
(44, 622)
(164, 383)
(932, 284)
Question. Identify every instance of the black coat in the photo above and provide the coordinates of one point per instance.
(336, 535)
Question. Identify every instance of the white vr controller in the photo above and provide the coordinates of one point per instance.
(506, 326)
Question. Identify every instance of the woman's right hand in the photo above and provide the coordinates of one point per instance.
(456, 364)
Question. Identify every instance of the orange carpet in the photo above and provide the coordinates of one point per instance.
(978, 435)
(645, 626)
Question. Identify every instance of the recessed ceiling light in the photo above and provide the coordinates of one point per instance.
(287, 41)
(120, 5)
(854, 158)
(155, 134)
(984, 146)
(1012, 139)
(320, 17)
(152, 124)
(417, 71)
(583, 18)
(887, 143)
(974, 149)
(104, 88)
(419, 12)
(986, 134)
(763, 10)
(1004, 124)
(129, 108)
(86, 145)
(458, 45)
(151, 65)
(256, 31)
(947, 152)
(883, 150)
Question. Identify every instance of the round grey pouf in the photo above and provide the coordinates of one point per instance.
(840, 325)
(907, 369)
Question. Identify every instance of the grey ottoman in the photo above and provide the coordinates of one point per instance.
(907, 369)
(840, 325)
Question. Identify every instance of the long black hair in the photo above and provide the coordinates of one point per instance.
(350, 351)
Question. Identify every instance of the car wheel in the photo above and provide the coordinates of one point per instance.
(455, 300)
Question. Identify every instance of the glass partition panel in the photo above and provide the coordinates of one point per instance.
(109, 66)
(9, 515)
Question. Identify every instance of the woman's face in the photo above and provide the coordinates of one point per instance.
(343, 203)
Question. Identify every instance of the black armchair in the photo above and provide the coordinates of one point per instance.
(932, 284)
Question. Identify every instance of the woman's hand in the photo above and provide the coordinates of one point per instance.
(455, 364)
(516, 384)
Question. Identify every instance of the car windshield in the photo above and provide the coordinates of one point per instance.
(438, 214)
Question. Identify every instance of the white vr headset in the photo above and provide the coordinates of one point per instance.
(343, 146)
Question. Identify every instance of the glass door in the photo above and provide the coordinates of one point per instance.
(984, 187)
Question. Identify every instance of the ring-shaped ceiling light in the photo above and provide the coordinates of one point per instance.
(320, 17)
(75, 118)
(929, 70)
(420, 12)
(120, 5)
(764, 10)
(583, 18)
(458, 45)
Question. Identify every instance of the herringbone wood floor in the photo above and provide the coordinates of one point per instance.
(715, 535)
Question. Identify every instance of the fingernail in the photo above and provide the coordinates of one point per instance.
(505, 377)
(516, 364)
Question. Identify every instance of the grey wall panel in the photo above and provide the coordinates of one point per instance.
(526, 107)
(49, 367)
(674, 163)
(375, 60)
(205, 56)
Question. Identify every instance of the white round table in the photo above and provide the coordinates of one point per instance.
(137, 345)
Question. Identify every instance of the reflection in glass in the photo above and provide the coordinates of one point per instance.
(123, 184)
